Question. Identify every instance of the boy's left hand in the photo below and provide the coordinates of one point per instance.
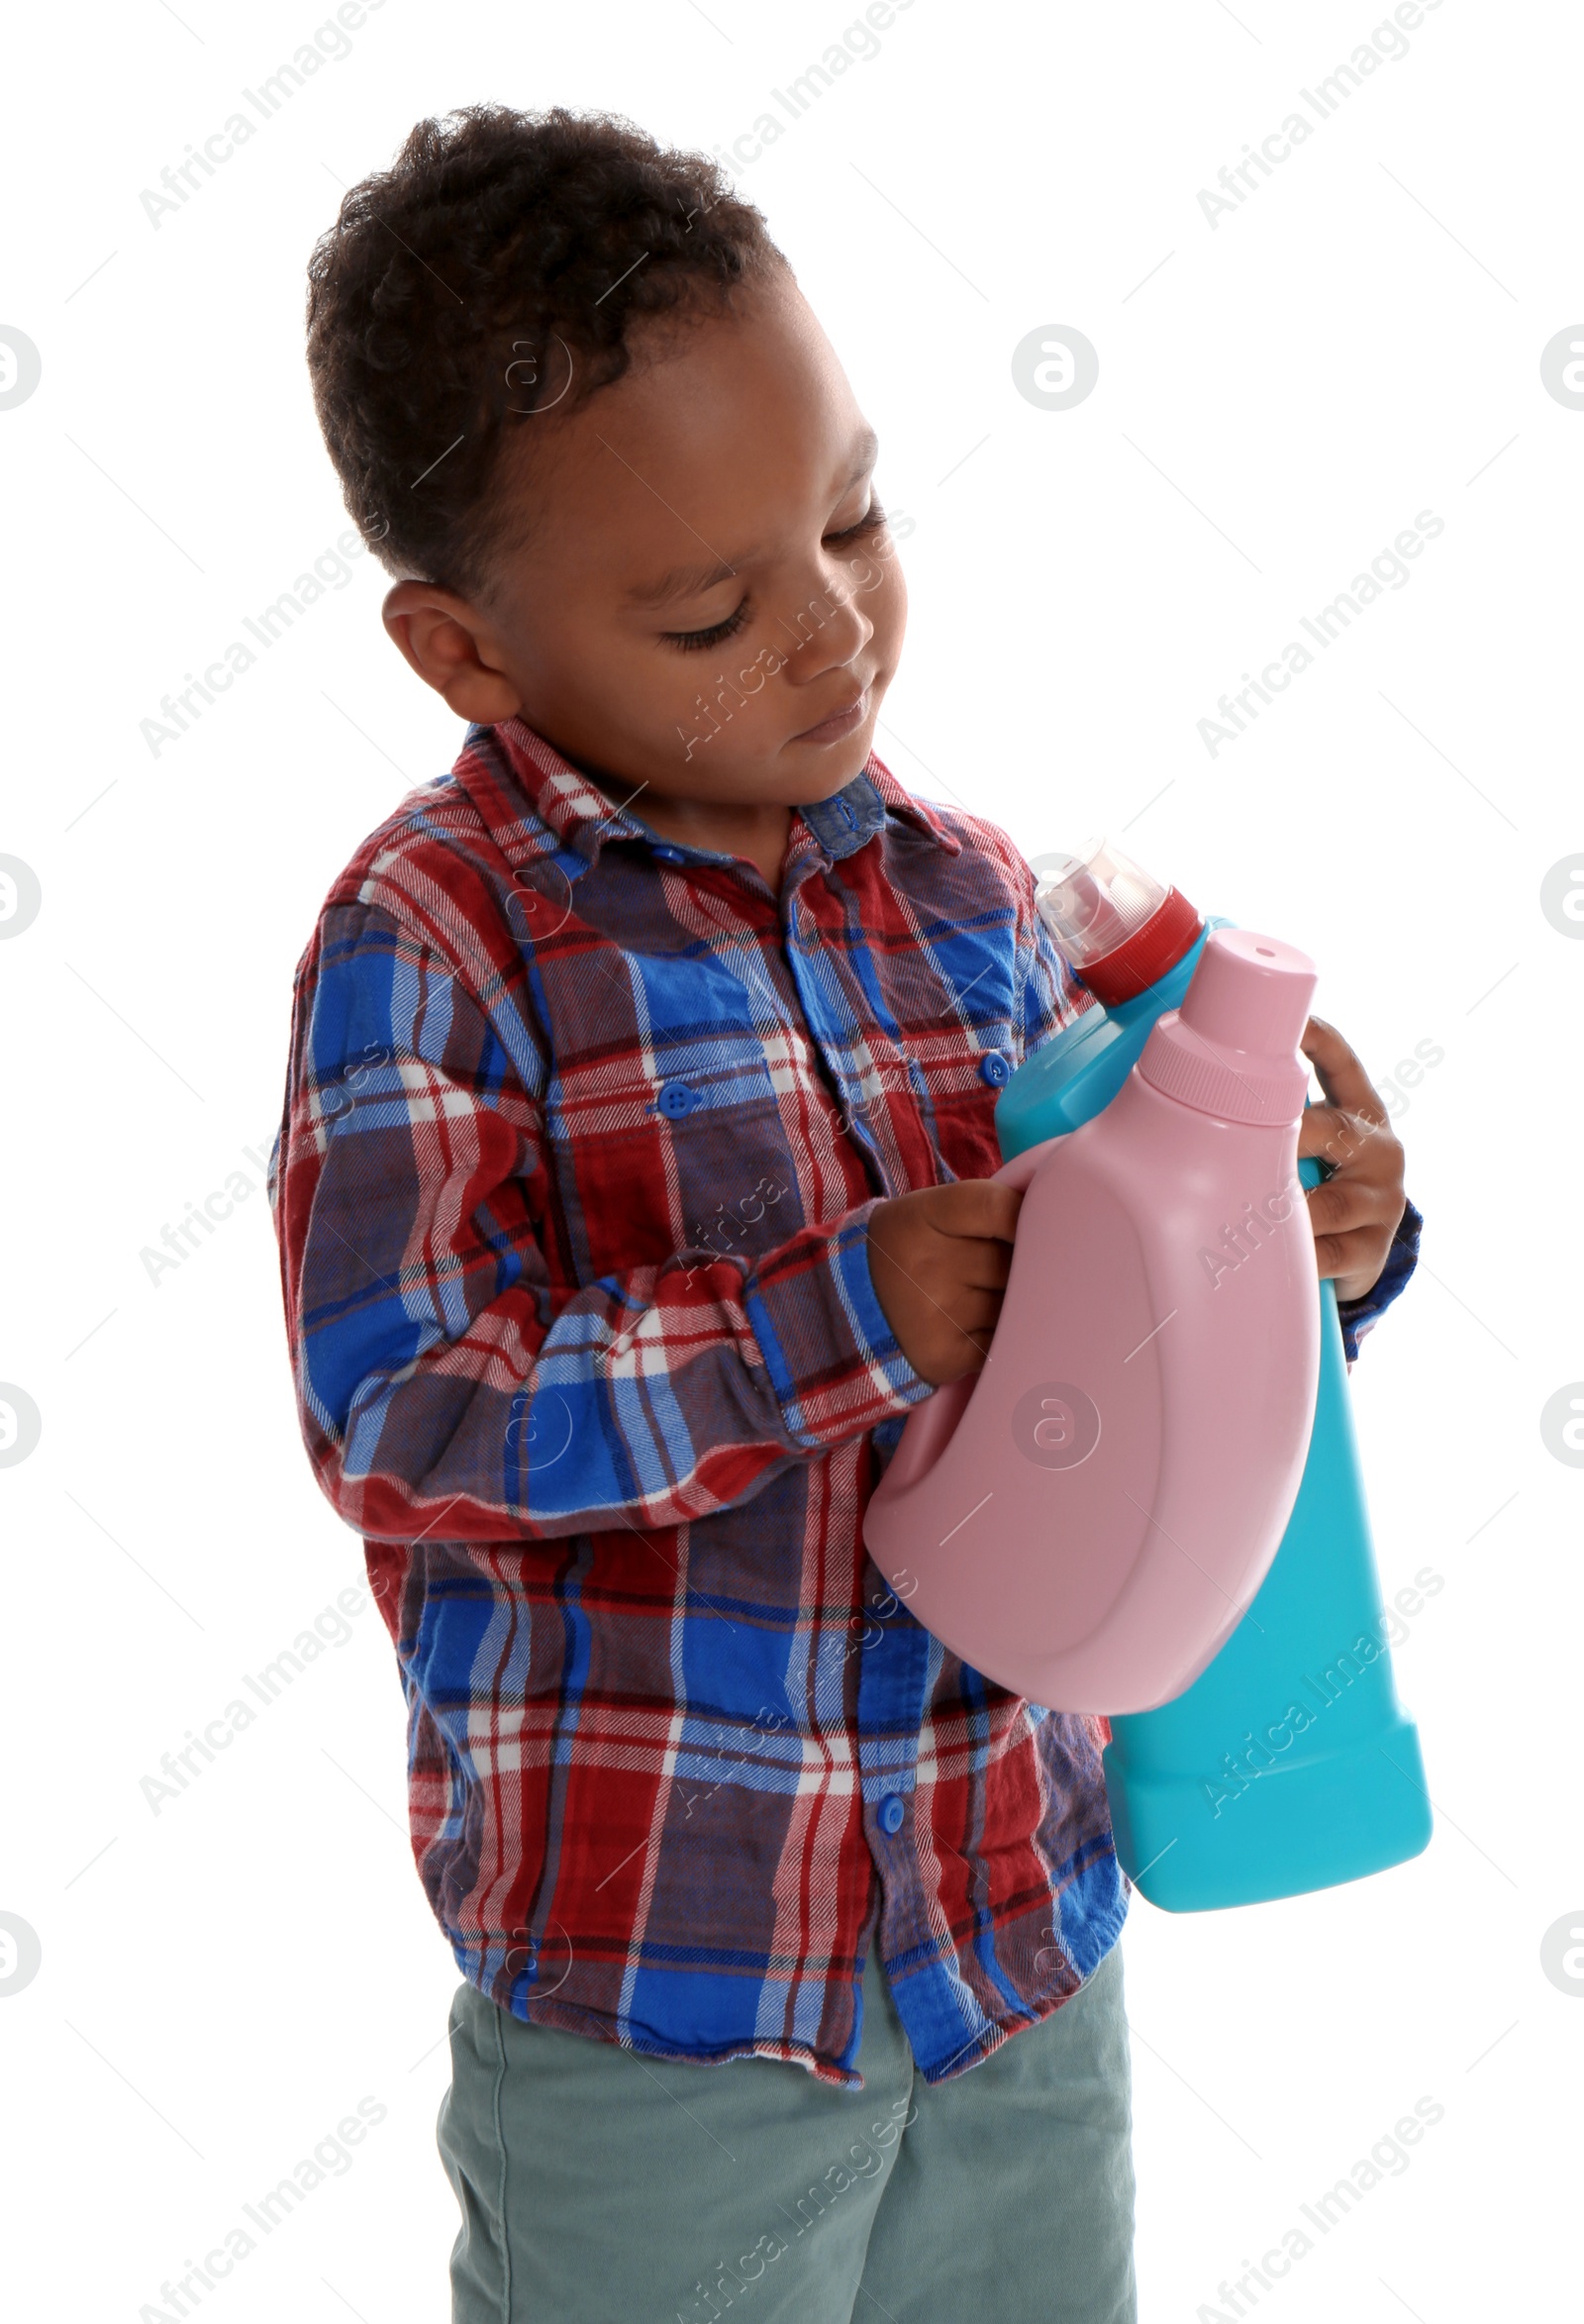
(1356, 1211)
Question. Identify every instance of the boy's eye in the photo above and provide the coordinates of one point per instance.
(700, 641)
(871, 520)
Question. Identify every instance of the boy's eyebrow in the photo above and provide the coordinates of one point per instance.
(691, 581)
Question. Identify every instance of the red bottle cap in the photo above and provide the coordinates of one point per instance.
(1141, 959)
(1116, 923)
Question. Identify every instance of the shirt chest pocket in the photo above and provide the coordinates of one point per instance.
(662, 1122)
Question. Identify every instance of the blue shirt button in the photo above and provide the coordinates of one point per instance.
(995, 1070)
(677, 1098)
(892, 1813)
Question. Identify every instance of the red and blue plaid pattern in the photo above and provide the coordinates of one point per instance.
(581, 1136)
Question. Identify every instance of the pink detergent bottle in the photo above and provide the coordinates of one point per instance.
(1086, 1520)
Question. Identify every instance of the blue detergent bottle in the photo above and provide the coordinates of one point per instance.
(1288, 1765)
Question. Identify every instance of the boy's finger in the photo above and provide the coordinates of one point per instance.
(1335, 1136)
(1339, 1205)
(1342, 1076)
(986, 1263)
(1345, 1255)
(979, 1311)
(978, 1206)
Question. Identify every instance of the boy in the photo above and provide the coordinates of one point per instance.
(630, 1190)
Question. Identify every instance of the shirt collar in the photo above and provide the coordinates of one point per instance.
(534, 801)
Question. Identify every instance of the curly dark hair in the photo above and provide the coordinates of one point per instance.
(436, 300)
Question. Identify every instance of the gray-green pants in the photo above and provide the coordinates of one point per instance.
(599, 2187)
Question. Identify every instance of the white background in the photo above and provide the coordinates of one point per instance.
(1278, 397)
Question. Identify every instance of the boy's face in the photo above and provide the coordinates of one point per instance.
(733, 449)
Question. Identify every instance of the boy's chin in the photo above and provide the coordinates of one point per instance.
(830, 770)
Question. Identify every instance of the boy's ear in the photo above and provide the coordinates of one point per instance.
(454, 649)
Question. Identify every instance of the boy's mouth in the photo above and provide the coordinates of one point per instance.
(839, 723)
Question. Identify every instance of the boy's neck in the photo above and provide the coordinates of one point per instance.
(756, 830)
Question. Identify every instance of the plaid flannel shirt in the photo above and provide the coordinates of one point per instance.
(582, 1132)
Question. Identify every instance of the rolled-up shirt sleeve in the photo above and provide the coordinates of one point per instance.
(444, 1385)
(1359, 1317)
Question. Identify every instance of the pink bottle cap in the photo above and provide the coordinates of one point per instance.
(1232, 1049)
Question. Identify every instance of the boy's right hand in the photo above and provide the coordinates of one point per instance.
(938, 1260)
